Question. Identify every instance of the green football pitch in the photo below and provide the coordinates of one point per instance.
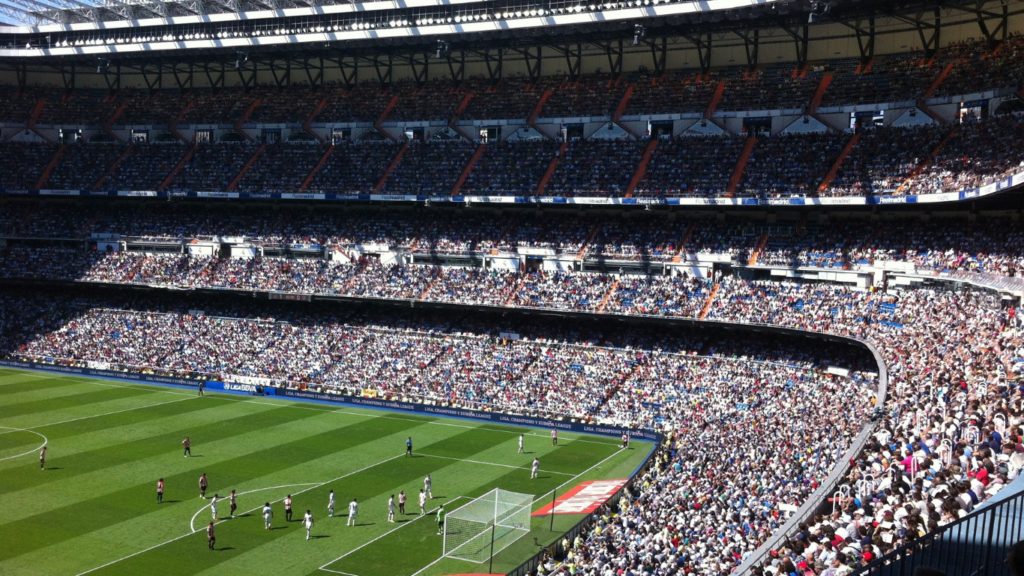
(93, 509)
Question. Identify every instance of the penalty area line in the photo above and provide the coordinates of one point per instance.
(192, 523)
(364, 545)
(535, 499)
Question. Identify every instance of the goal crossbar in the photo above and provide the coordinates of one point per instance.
(487, 525)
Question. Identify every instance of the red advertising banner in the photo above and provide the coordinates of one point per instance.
(584, 498)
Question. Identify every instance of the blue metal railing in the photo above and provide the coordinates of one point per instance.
(975, 545)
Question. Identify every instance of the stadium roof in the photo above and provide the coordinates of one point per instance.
(32, 13)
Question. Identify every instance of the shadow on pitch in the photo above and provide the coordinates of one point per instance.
(224, 549)
(319, 537)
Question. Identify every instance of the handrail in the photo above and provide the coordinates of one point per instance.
(956, 544)
(833, 480)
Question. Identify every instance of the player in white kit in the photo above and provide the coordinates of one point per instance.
(213, 507)
(330, 504)
(268, 514)
(353, 511)
(391, 509)
(423, 502)
(307, 521)
(427, 487)
(535, 468)
(520, 443)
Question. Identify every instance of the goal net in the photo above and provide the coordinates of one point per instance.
(499, 515)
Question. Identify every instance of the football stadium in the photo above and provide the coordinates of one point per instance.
(512, 287)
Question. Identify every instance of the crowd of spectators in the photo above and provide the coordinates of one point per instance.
(354, 167)
(638, 239)
(691, 166)
(213, 166)
(23, 163)
(890, 78)
(82, 165)
(430, 167)
(433, 100)
(159, 108)
(364, 102)
(933, 455)
(146, 167)
(595, 94)
(767, 88)
(976, 153)
(790, 164)
(16, 105)
(976, 68)
(883, 159)
(513, 97)
(595, 168)
(511, 168)
(281, 168)
(946, 244)
(79, 107)
(682, 91)
(287, 105)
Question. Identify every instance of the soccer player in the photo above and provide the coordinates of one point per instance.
(401, 502)
(353, 511)
(160, 491)
(42, 459)
(202, 387)
(288, 508)
(427, 487)
(440, 520)
(423, 502)
(307, 521)
(391, 509)
(625, 440)
(330, 504)
(554, 436)
(211, 539)
(408, 447)
(520, 443)
(213, 507)
(187, 443)
(203, 483)
(268, 514)
(234, 504)
(535, 468)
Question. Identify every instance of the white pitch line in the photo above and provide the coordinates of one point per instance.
(338, 572)
(535, 500)
(192, 523)
(132, 555)
(45, 441)
(492, 463)
(361, 546)
(295, 404)
(114, 412)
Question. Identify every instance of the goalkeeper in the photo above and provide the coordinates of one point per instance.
(440, 520)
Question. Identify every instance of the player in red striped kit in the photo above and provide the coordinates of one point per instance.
(160, 491)
(210, 537)
(42, 459)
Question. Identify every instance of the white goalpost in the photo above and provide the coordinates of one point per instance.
(487, 525)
